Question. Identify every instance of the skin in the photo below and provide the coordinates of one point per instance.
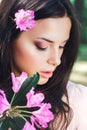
(40, 49)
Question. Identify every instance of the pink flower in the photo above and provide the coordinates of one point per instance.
(24, 19)
(4, 104)
(28, 126)
(33, 99)
(42, 116)
(17, 81)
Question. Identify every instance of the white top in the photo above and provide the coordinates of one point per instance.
(78, 101)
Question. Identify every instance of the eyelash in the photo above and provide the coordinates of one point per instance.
(61, 47)
(40, 48)
(44, 48)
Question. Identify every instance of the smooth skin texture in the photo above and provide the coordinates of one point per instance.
(40, 49)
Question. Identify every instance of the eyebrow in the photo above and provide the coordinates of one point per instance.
(48, 40)
(45, 39)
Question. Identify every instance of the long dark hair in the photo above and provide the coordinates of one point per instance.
(56, 86)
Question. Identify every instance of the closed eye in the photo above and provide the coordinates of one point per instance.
(41, 46)
(61, 47)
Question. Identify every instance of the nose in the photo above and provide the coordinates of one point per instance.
(54, 57)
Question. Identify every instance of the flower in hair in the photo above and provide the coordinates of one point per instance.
(24, 19)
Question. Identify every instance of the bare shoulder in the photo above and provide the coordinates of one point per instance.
(76, 90)
(77, 95)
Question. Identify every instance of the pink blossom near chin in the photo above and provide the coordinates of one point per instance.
(34, 99)
(42, 116)
(24, 19)
(28, 126)
(17, 81)
(4, 104)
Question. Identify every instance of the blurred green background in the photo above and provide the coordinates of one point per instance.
(79, 72)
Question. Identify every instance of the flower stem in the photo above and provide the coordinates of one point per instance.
(22, 117)
(12, 98)
(26, 112)
(20, 107)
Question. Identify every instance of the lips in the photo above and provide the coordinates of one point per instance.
(46, 74)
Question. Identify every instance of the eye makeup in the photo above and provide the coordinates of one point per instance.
(61, 47)
(41, 45)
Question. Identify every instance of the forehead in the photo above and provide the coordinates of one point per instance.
(55, 29)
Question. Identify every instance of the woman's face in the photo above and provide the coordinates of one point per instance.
(40, 49)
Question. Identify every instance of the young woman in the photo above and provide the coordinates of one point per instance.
(49, 47)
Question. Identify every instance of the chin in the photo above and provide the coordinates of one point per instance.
(42, 82)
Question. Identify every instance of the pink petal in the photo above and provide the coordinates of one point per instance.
(43, 115)
(24, 19)
(33, 99)
(28, 126)
(4, 104)
(17, 81)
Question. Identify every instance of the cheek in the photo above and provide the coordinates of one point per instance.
(31, 60)
(26, 59)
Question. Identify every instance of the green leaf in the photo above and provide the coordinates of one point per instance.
(25, 88)
(15, 124)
